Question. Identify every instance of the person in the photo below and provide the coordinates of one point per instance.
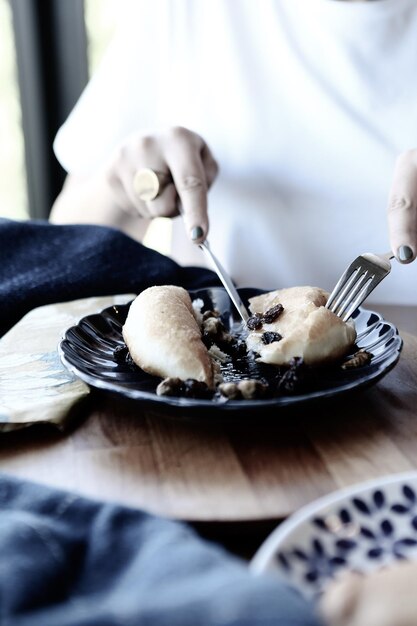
(298, 115)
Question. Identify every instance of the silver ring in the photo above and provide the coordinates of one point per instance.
(148, 184)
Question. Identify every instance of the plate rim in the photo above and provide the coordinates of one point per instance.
(259, 564)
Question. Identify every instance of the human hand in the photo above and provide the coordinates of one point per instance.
(179, 153)
(402, 208)
(383, 597)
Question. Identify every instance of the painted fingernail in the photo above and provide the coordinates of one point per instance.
(196, 233)
(404, 254)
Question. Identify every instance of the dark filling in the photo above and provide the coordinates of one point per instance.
(189, 388)
(215, 333)
(244, 378)
(257, 320)
(270, 337)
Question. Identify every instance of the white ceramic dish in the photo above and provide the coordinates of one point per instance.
(362, 528)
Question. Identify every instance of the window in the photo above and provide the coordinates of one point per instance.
(13, 193)
(44, 45)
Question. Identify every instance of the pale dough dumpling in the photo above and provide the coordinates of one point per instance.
(307, 328)
(163, 336)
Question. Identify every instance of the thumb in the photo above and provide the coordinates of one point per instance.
(402, 208)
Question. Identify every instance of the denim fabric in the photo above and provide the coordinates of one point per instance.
(42, 263)
(70, 561)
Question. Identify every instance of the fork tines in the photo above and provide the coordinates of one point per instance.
(356, 283)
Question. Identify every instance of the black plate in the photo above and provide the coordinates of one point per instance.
(87, 349)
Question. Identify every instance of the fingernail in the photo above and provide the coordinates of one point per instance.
(196, 233)
(404, 254)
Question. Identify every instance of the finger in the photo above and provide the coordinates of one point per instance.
(210, 165)
(402, 208)
(145, 152)
(120, 175)
(165, 204)
(183, 156)
(117, 189)
(126, 177)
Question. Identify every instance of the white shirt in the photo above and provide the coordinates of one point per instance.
(305, 104)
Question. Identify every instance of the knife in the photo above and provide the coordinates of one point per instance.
(226, 280)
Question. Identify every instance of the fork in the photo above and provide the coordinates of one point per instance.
(357, 282)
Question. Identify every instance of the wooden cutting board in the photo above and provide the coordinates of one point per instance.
(229, 469)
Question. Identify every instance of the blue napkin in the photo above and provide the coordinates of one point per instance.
(42, 263)
(70, 561)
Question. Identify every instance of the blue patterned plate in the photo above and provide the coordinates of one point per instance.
(361, 528)
(87, 350)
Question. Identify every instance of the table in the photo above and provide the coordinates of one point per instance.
(217, 473)
(178, 467)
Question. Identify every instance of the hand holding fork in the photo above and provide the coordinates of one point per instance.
(367, 270)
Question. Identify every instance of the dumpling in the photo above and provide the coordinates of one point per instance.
(302, 327)
(164, 338)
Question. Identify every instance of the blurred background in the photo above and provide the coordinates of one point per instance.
(48, 49)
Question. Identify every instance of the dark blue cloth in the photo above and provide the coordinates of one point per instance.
(42, 263)
(70, 561)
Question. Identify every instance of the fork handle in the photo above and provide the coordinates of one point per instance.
(387, 255)
(381, 260)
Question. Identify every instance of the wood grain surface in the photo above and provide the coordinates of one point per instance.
(228, 469)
